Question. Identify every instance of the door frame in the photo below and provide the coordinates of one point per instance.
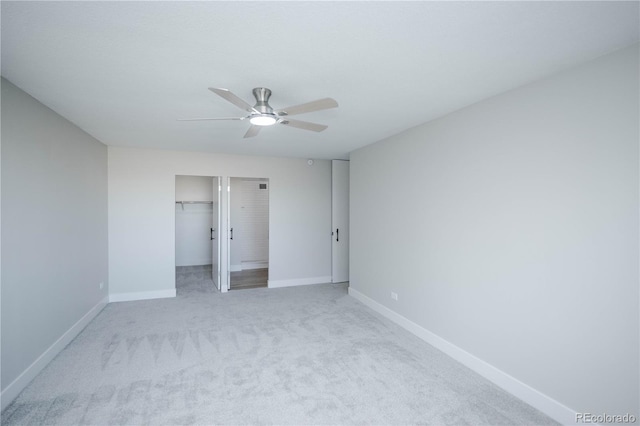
(216, 231)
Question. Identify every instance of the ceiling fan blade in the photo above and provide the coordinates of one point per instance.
(305, 125)
(253, 130)
(325, 103)
(229, 96)
(208, 119)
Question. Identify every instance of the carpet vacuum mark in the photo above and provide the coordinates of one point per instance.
(299, 355)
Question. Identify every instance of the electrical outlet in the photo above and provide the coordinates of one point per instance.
(101, 285)
(394, 295)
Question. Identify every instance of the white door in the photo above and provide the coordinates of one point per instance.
(340, 220)
(229, 236)
(215, 232)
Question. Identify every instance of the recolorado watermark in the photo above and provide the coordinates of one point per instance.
(605, 418)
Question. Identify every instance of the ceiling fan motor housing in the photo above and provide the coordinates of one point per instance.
(262, 95)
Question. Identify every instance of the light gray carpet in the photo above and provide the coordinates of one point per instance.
(300, 355)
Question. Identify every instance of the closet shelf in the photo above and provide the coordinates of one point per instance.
(182, 203)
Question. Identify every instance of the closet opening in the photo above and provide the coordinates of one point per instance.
(197, 227)
(248, 232)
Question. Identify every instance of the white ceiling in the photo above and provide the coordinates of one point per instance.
(125, 71)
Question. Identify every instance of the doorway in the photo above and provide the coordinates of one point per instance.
(248, 224)
(197, 224)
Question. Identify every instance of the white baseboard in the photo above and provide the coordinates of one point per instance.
(531, 396)
(142, 295)
(254, 265)
(15, 387)
(298, 281)
(244, 266)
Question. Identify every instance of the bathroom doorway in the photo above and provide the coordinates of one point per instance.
(248, 242)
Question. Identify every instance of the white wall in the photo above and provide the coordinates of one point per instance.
(194, 221)
(54, 235)
(142, 223)
(510, 229)
(194, 188)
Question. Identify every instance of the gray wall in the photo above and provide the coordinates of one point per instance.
(510, 229)
(54, 228)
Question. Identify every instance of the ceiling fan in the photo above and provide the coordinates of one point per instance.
(262, 114)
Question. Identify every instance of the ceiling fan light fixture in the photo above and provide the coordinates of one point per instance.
(262, 114)
(262, 120)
